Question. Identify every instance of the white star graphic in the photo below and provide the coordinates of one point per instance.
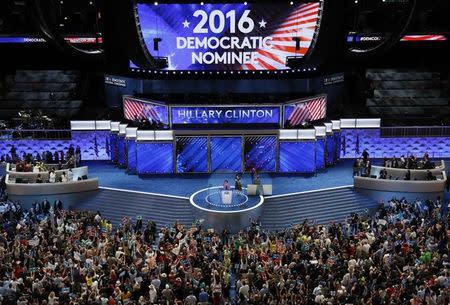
(186, 24)
(262, 23)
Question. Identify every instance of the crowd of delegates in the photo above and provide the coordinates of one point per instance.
(49, 255)
(27, 162)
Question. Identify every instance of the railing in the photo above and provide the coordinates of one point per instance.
(38, 134)
(415, 132)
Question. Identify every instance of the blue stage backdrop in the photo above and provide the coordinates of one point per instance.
(113, 138)
(192, 154)
(228, 36)
(121, 151)
(337, 145)
(154, 158)
(260, 153)
(297, 157)
(226, 154)
(330, 150)
(225, 115)
(131, 154)
(320, 153)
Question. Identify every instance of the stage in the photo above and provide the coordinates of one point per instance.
(187, 184)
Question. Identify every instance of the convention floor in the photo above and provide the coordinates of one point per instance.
(186, 184)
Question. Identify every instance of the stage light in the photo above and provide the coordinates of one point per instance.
(356, 1)
(189, 72)
(181, 72)
(156, 3)
(231, 72)
(201, 3)
(291, 3)
(245, 3)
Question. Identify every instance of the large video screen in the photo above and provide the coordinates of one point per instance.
(228, 36)
(137, 110)
(297, 157)
(260, 153)
(226, 154)
(305, 110)
(154, 158)
(192, 154)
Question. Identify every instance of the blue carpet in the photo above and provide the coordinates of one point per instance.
(187, 184)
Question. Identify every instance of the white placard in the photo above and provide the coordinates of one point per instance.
(306, 134)
(164, 135)
(368, 123)
(82, 125)
(288, 134)
(348, 123)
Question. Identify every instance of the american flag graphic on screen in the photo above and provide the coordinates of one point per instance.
(301, 23)
(136, 110)
(311, 109)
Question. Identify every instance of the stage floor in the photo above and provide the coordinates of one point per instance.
(187, 184)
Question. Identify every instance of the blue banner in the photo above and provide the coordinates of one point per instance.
(225, 115)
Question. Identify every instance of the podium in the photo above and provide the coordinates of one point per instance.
(226, 196)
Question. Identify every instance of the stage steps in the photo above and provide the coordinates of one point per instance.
(116, 204)
(333, 205)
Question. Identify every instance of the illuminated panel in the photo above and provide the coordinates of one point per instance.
(35, 39)
(228, 115)
(305, 110)
(260, 153)
(297, 157)
(228, 36)
(192, 154)
(424, 38)
(226, 154)
(131, 154)
(137, 110)
(154, 158)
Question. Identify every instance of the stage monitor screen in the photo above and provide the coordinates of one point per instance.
(297, 157)
(225, 115)
(192, 154)
(137, 110)
(305, 110)
(154, 158)
(260, 153)
(131, 155)
(228, 36)
(226, 154)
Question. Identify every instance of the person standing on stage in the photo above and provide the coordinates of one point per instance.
(226, 185)
(238, 184)
(253, 172)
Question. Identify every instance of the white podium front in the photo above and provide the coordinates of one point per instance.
(227, 196)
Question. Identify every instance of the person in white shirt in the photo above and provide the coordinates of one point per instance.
(52, 177)
(70, 175)
(64, 177)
